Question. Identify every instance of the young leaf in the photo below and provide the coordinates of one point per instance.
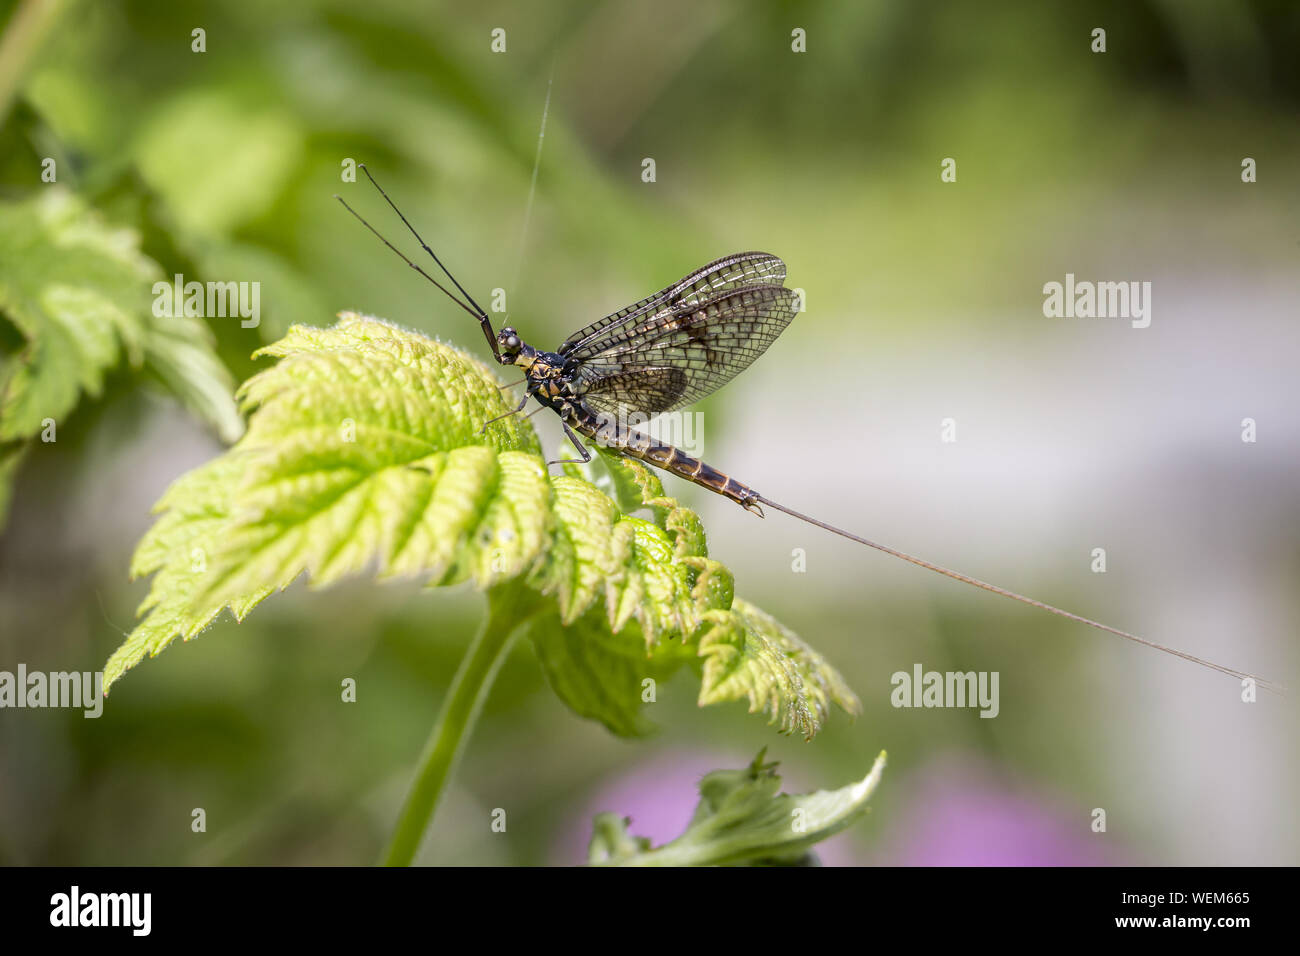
(366, 449)
(362, 448)
(79, 293)
(742, 819)
(750, 654)
(743, 653)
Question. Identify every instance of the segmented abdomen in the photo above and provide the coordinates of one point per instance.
(635, 444)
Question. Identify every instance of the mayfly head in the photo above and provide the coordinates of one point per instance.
(513, 350)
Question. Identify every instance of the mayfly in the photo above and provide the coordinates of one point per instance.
(668, 351)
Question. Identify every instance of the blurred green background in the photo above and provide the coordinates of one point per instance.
(924, 303)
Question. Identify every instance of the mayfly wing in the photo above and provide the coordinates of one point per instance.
(674, 356)
(721, 275)
(645, 389)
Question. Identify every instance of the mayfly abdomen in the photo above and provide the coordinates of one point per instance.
(641, 446)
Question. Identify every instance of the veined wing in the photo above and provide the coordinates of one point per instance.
(673, 357)
(719, 276)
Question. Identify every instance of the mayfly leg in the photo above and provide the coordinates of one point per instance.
(518, 409)
(577, 443)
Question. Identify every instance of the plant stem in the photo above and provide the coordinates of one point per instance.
(477, 671)
(23, 37)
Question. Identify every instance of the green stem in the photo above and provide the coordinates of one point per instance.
(24, 35)
(478, 669)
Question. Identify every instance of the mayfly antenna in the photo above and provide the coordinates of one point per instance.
(473, 308)
(403, 257)
(423, 245)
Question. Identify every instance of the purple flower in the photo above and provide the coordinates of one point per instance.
(963, 813)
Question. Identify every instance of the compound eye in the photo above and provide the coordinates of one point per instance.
(512, 342)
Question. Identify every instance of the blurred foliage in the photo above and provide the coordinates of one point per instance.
(79, 295)
(224, 164)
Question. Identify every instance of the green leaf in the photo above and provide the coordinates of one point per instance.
(742, 819)
(366, 453)
(360, 450)
(80, 295)
(179, 352)
(601, 674)
(751, 655)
